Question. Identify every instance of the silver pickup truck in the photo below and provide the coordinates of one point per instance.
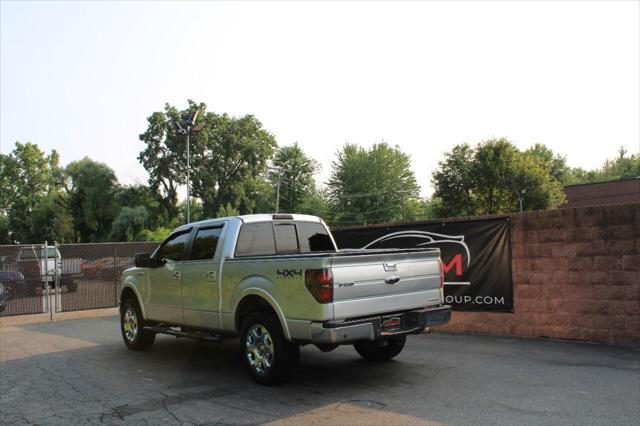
(278, 281)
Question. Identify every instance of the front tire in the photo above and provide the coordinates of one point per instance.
(383, 350)
(266, 355)
(132, 327)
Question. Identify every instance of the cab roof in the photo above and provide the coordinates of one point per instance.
(251, 218)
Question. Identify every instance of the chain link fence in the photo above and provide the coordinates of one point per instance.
(43, 278)
(22, 280)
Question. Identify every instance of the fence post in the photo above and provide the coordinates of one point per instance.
(115, 275)
(57, 277)
(46, 278)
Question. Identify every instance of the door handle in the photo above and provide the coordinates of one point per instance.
(392, 279)
(177, 275)
(211, 275)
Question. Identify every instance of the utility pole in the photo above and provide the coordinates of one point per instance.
(280, 171)
(278, 193)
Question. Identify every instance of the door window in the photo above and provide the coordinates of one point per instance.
(204, 246)
(173, 247)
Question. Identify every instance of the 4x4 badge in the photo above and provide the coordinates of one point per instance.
(289, 273)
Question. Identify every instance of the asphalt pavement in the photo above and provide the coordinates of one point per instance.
(79, 372)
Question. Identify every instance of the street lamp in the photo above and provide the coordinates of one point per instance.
(279, 170)
(520, 194)
(189, 128)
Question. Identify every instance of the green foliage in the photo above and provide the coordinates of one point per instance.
(621, 167)
(32, 205)
(158, 234)
(295, 176)
(263, 192)
(228, 210)
(129, 223)
(92, 199)
(370, 185)
(227, 155)
(453, 183)
(485, 179)
(555, 164)
(141, 195)
(51, 220)
(5, 235)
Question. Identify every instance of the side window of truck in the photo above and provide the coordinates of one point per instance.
(173, 247)
(205, 243)
(314, 237)
(256, 239)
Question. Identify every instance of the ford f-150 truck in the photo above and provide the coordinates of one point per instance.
(278, 281)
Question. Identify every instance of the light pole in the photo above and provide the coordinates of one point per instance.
(189, 128)
(279, 170)
(520, 194)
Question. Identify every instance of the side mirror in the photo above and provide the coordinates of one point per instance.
(144, 260)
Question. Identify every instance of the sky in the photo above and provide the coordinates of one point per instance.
(81, 77)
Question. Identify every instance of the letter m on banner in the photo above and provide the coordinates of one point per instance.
(455, 262)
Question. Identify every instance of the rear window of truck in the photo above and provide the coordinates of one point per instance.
(286, 238)
(314, 237)
(268, 238)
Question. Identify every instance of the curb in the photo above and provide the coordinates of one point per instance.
(58, 316)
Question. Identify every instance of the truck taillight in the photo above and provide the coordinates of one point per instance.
(441, 274)
(319, 282)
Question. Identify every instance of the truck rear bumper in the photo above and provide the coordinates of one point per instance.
(378, 327)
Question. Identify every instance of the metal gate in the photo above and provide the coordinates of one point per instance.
(41, 278)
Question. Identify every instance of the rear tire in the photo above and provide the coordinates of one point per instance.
(132, 327)
(266, 355)
(383, 350)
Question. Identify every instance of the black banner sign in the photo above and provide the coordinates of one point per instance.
(476, 256)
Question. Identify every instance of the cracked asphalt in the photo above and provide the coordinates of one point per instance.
(79, 372)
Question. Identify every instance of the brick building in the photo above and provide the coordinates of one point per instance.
(602, 193)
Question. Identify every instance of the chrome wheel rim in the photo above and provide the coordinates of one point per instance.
(130, 324)
(259, 348)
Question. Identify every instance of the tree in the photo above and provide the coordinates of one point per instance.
(164, 154)
(295, 175)
(92, 199)
(621, 167)
(129, 223)
(158, 234)
(227, 155)
(32, 204)
(555, 164)
(370, 185)
(454, 182)
(141, 195)
(486, 179)
(231, 154)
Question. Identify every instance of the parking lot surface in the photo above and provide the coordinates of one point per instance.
(79, 372)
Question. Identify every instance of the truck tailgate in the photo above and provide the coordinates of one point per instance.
(368, 282)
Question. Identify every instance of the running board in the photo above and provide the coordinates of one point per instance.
(201, 337)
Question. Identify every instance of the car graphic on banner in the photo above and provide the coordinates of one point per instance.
(455, 252)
